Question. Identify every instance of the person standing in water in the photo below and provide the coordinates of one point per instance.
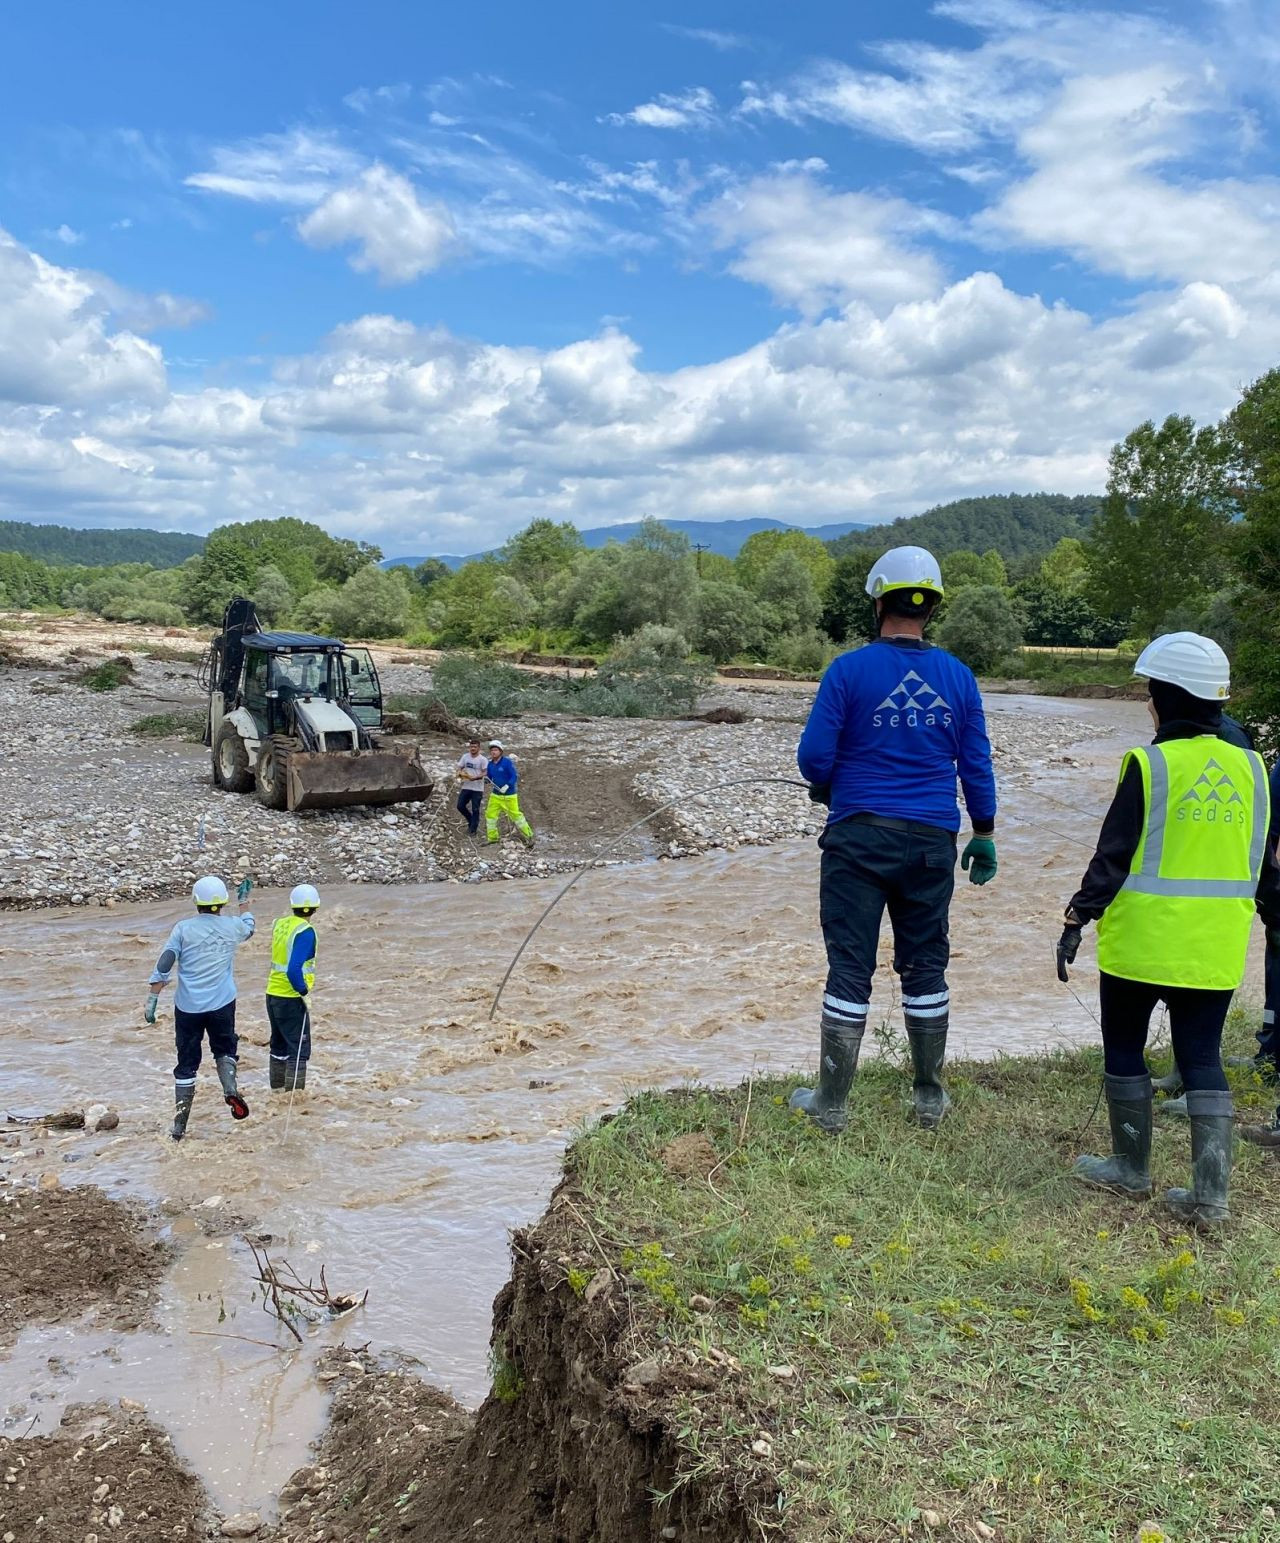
(293, 973)
(1183, 861)
(203, 947)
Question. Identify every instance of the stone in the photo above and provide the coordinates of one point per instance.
(762, 1447)
(642, 1374)
(244, 1524)
(783, 1373)
(49, 1180)
(931, 1519)
(700, 1304)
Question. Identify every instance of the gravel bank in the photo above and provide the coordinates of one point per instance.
(94, 815)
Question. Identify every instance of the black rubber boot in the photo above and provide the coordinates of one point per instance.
(838, 1060)
(928, 1097)
(1263, 1135)
(1128, 1169)
(1204, 1205)
(295, 1077)
(276, 1072)
(232, 1094)
(1176, 1108)
(183, 1098)
(1172, 1084)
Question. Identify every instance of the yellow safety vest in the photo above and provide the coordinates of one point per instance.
(1183, 916)
(282, 936)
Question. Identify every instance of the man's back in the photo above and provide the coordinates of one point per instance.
(892, 725)
(205, 946)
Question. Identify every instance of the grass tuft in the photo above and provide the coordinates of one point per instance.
(902, 1323)
(174, 725)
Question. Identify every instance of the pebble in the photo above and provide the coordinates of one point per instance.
(931, 1518)
(762, 1448)
(244, 1524)
(700, 1304)
(642, 1374)
(783, 1373)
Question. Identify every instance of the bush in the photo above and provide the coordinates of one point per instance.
(730, 621)
(478, 688)
(373, 603)
(981, 627)
(484, 688)
(651, 647)
(110, 675)
(802, 653)
(179, 725)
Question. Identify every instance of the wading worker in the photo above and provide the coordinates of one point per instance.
(293, 971)
(891, 726)
(203, 947)
(471, 771)
(1182, 862)
(503, 798)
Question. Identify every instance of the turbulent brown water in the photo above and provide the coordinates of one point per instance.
(426, 1131)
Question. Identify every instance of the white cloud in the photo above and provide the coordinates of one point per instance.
(812, 248)
(67, 236)
(55, 344)
(722, 42)
(296, 168)
(397, 235)
(695, 108)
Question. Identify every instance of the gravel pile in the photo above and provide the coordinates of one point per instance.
(92, 814)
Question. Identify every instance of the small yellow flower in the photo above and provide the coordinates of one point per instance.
(843, 1240)
(816, 1304)
(802, 1264)
(1230, 1317)
(787, 1241)
(1150, 1533)
(1139, 1333)
(1134, 1300)
(758, 1286)
(1103, 1235)
(1022, 1314)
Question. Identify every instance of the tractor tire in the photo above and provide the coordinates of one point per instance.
(231, 769)
(271, 778)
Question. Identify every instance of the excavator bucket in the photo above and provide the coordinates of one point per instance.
(331, 779)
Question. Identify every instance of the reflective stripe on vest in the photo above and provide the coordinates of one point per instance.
(1183, 915)
(282, 936)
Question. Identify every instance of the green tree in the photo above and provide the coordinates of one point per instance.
(272, 596)
(759, 551)
(430, 573)
(1161, 540)
(539, 552)
(224, 570)
(618, 589)
(788, 595)
(848, 614)
(1252, 432)
(981, 627)
(371, 604)
(963, 569)
(730, 621)
(1067, 566)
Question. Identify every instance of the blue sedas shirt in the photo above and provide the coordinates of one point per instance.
(204, 949)
(302, 949)
(503, 775)
(891, 727)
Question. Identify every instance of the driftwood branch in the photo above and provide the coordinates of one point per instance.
(286, 1295)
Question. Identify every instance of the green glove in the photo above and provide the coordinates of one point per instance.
(981, 852)
(246, 884)
(149, 1011)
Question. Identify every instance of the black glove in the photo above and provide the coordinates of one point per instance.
(1068, 947)
(820, 793)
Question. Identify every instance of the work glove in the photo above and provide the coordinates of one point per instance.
(243, 888)
(820, 793)
(981, 853)
(1068, 947)
(149, 1011)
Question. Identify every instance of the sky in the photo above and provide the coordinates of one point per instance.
(421, 274)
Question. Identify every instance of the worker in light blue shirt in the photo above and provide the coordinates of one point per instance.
(203, 948)
(893, 727)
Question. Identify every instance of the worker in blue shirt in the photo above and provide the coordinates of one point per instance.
(203, 947)
(293, 974)
(503, 798)
(891, 726)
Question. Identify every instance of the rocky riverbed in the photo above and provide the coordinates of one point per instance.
(95, 814)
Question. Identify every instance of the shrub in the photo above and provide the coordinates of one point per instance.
(110, 675)
(178, 725)
(802, 653)
(478, 688)
(981, 627)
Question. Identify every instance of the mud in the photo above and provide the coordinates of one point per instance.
(104, 1473)
(68, 1252)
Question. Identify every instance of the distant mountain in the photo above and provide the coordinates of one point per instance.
(98, 548)
(723, 536)
(1015, 524)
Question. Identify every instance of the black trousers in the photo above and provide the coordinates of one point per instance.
(1195, 1026)
(868, 867)
(189, 1030)
(1269, 1034)
(290, 1029)
(469, 801)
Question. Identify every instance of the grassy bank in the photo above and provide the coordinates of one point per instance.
(894, 1334)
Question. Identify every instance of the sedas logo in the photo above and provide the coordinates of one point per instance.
(1213, 799)
(912, 704)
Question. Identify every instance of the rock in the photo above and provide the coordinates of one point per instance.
(100, 1117)
(599, 1282)
(101, 1493)
(244, 1524)
(700, 1304)
(49, 1180)
(132, 1406)
(642, 1374)
(762, 1447)
(669, 1532)
(931, 1519)
(803, 1467)
(783, 1373)
(983, 1530)
(115, 1517)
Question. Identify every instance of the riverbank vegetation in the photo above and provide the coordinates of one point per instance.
(891, 1334)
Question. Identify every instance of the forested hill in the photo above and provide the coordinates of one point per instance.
(1015, 524)
(59, 544)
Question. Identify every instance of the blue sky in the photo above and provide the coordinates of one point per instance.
(422, 276)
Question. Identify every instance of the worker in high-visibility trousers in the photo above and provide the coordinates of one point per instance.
(891, 727)
(1181, 865)
(293, 973)
(504, 779)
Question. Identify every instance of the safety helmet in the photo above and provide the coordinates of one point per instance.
(209, 891)
(1186, 659)
(496, 744)
(905, 567)
(304, 897)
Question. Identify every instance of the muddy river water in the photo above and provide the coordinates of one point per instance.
(426, 1132)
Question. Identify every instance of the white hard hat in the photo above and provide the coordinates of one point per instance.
(496, 744)
(1188, 660)
(209, 891)
(304, 897)
(904, 567)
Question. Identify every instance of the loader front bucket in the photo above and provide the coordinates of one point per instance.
(331, 779)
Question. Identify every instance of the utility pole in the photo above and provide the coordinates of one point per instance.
(699, 547)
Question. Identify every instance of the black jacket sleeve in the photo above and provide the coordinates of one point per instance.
(1117, 842)
(1268, 897)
